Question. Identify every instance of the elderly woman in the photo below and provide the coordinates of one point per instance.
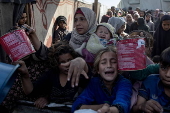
(120, 25)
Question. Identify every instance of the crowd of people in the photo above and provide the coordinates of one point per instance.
(81, 66)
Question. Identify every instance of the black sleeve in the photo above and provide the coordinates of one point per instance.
(43, 85)
(67, 37)
(41, 54)
(83, 81)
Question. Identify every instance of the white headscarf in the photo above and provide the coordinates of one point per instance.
(116, 22)
(76, 39)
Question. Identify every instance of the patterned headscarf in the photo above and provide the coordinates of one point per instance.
(76, 39)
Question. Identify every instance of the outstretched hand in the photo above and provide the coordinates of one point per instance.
(151, 106)
(105, 108)
(77, 66)
(41, 102)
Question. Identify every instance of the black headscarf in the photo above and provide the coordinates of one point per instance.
(161, 38)
(142, 25)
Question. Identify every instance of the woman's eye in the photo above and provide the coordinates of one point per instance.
(75, 20)
(82, 19)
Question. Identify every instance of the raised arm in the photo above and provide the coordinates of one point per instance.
(26, 82)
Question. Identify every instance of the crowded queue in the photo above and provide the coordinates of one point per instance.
(81, 66)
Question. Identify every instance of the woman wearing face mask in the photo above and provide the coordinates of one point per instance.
(161, 36)
(84, 25)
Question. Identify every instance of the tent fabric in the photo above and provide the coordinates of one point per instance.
(19, 1)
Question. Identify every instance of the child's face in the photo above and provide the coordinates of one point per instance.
(108, 66)
(64, 58)
(23, 19)
(165, 75)
(166, 25)
(141, 34)
(103, 32)
(62, 24)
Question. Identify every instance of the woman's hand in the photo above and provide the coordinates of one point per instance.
(77, 66)
(41, 102)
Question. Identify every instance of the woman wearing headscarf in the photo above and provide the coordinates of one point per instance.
(162, 36)
(84, 26)
(149, 22)
(120, 25)
(160, 15)
(142, 25)
(129, 20)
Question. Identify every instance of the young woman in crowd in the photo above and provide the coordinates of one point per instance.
(84, 26)
(134, 25)
(129, 20)
(161, 36)
(109, 92)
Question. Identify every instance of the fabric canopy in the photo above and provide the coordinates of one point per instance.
(19, 1)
